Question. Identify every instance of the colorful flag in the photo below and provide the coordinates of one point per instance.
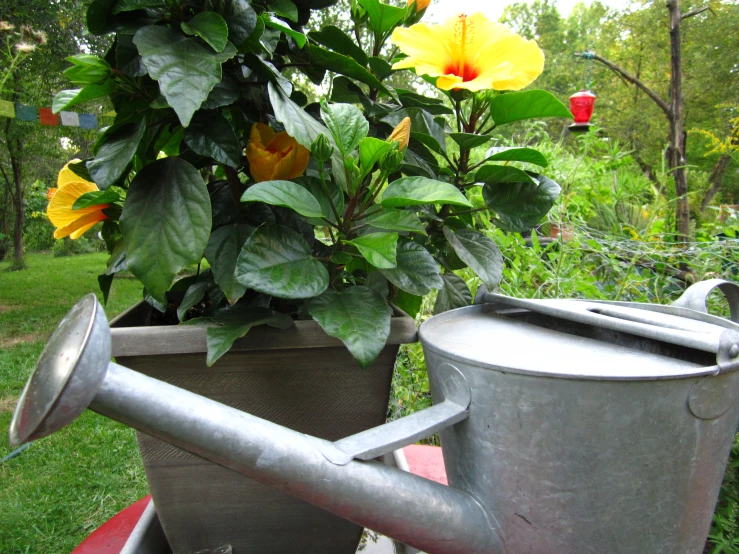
(88, 121)
(7, 109)
(48, 118)
(70, 119)
(25, 113)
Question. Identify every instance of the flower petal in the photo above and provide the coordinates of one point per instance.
(282, 168)
(60, 212)
(80, 225)
(470, 52)
(302, 157)
(67, 176)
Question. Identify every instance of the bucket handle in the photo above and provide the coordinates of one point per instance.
(696, 296)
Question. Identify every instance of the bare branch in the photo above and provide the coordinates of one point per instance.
(697, 11)
(633, 80)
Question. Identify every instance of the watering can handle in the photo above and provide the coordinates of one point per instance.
(696, 295)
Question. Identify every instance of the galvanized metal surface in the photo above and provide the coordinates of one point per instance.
(583, 438)
(402, 432)
(70, 368)
(589, 439)
(315, 389)
(402, 506)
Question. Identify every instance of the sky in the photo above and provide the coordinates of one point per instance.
(439, 10)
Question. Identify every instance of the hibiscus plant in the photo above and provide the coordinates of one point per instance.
(336, 210)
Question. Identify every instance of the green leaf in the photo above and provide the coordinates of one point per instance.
(379, 249)
(303, 128)
(239, 16)
(479, 252)
(91, 71)
(127, 59)
(347, 125)
(396, 220)
(376, 281)
(383, 17)
(468, 141)
(380, 68)
(341, 258)
(209, 26)
(68, 98)
(344, 65)
(133, 5)
(423, 127)
(186, 71)
(502, 174)
(94, 198)
(520, 206)
(529, 104)
(314, 187)
(193, 296)
(299, 38)
(358, 316)
(455, 294)
(370, 152)
(417, 272)
(337, 40)
(277, 261)
(211, 135)
(115, 153)
(236, 323)
(165, 222)
(284, 8)
(515, 154)
(222, 251)
(285, 194)
(431, 105)
(409, 303)
(224, 93)
(80, 169)
(415, 191)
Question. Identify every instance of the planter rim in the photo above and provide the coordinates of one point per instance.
(144, 340)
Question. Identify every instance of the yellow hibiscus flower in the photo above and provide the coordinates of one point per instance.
(70, 222)
(275, 155)
(470, 52)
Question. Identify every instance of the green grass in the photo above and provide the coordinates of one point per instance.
(64, 486)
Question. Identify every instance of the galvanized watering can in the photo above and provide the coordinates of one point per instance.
(567, 426)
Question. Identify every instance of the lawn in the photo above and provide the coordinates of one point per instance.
(57, 491)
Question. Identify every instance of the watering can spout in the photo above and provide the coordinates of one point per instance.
(74, 373)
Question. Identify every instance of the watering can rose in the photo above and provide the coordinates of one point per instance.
(470, 52)
(68, 221)
(275, 156)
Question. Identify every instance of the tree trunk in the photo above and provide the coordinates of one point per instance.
(717, 180)
(18, 201)
(676, 157)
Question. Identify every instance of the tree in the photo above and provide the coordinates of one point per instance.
(27, 150)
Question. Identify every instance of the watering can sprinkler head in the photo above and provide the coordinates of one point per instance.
(67, 377)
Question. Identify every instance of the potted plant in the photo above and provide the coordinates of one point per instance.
(319, 223)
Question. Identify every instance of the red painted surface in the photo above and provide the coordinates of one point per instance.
(110, 537)
(427, 462)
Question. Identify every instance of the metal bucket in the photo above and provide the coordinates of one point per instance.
(594, 427)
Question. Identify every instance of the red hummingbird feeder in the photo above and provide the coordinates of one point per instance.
(581, 105)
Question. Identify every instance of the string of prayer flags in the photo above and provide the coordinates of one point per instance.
(25, 113)
(70, 119)
(88, 121)
(46, 117)
(7, 109)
